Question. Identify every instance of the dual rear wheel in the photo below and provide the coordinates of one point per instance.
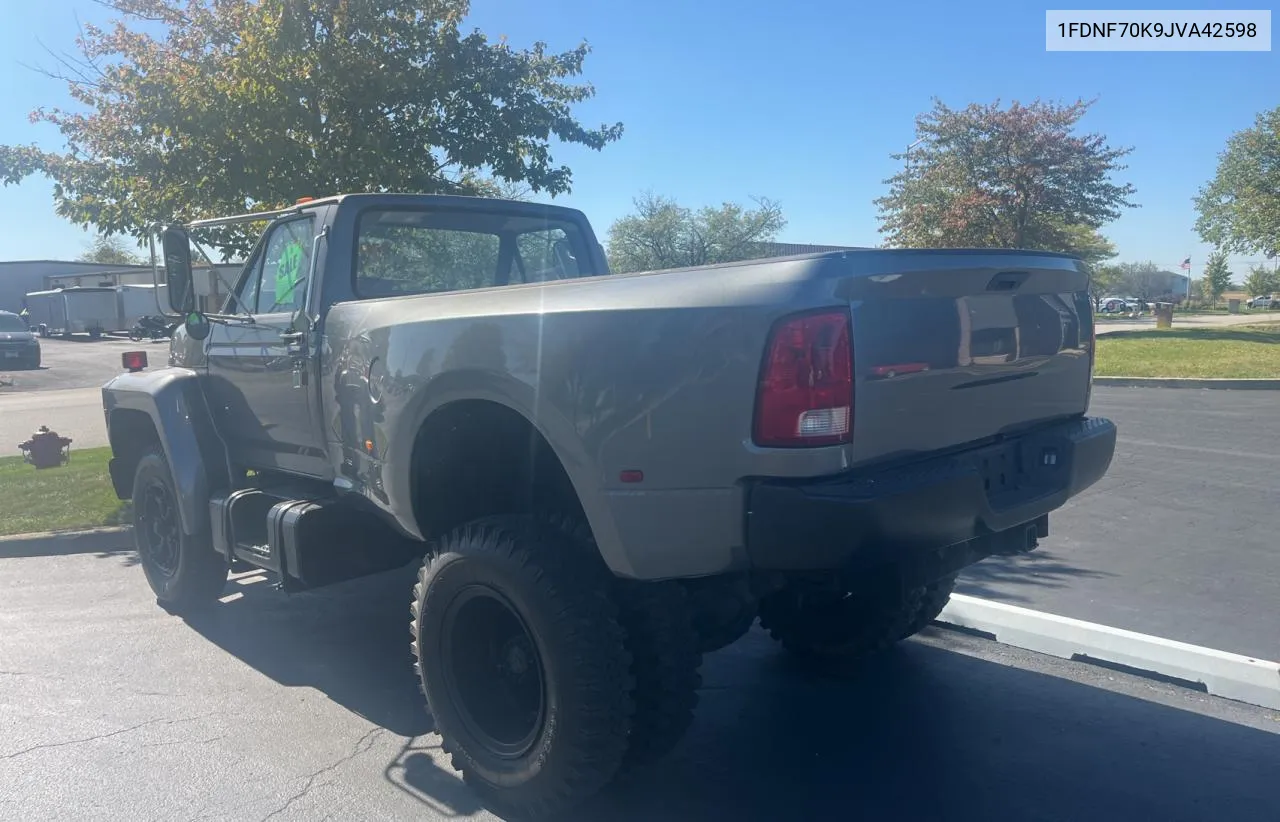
(545, 676)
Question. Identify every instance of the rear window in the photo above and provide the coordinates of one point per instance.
(12, 322)
(401, 251)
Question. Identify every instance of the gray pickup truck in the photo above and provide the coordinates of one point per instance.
(603, 477)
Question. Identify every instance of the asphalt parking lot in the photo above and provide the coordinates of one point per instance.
(304, 707)
(64, 392)
(1179, 539)
(78, 362)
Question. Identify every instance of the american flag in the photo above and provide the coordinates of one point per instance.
(1186, 264)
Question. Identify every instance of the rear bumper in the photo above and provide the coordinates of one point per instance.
(976, 496)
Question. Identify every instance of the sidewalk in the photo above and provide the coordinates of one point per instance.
(1193, 321)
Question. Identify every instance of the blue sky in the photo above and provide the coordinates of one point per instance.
(801, 102)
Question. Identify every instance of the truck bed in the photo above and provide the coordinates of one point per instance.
(659, 372)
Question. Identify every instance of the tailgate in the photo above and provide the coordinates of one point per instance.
(955, 347)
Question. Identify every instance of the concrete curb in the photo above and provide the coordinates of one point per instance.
(59, 543)
(1242, 678)
(1180, 382)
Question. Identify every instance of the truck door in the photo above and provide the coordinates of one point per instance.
(262, 371)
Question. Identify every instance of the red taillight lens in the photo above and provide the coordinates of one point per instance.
(806, 385)
(134, 360)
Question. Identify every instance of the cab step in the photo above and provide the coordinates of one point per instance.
(307, 541)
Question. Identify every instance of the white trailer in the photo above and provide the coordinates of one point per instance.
(67, 311)
(138, 301)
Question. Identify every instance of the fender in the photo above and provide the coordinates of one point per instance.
(404, 423)
(165, 406)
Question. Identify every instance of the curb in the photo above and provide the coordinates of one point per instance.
(1180, 382)
(60, 543)
(1241, 678)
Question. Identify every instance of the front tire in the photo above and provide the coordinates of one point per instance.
(519, 651)
(183, 570)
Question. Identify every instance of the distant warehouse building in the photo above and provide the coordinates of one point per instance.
(17, 279)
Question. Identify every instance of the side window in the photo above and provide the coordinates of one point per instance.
(247, 295)
(286, 260)
(276, 281)
(545, 255)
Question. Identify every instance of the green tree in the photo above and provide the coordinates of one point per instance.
(1006, 178)
(664, 234)
(1147, 281)
(193, 108)
(1217, 277)
(1240, 208)
(111, 250)
(1103, 280)
(1262, 281)
(1087, 244)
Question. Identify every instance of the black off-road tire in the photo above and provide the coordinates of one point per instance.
(722, 614)
(665, 662)
(932, 600)
(834, 632)
(658, 619)
(183, 570)
(567, 633)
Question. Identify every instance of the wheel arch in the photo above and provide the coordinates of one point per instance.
(478, 410)
(165, 408)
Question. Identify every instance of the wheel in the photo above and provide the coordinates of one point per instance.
(835, 629)
(722, 612)
(519, 651)
(184, 570)
(933, 598)
(658, 618)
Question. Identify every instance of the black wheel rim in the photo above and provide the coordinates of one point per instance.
(493, 671)
(159, 528)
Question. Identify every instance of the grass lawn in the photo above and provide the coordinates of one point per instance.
(75, 495)
(1240, 351)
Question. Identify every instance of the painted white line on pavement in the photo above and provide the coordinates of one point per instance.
(1223, 674)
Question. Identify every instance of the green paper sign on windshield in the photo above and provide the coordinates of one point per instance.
(288, 272)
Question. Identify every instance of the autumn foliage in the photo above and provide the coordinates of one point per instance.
(191, 108)
(1016, 177)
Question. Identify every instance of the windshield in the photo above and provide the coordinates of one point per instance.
(11, 322)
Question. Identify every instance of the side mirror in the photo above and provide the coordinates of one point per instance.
(196, 325)
(176, 245)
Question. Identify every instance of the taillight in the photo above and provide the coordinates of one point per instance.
(134, 361)
(805, 395)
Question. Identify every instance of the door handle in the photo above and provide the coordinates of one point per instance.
(291, 337)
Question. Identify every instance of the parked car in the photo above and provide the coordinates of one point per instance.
(19, 347)
(1262, 302)
(1115, 305)
(602, 477)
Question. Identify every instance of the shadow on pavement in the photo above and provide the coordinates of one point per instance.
(1040, 569)
(922, 733)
